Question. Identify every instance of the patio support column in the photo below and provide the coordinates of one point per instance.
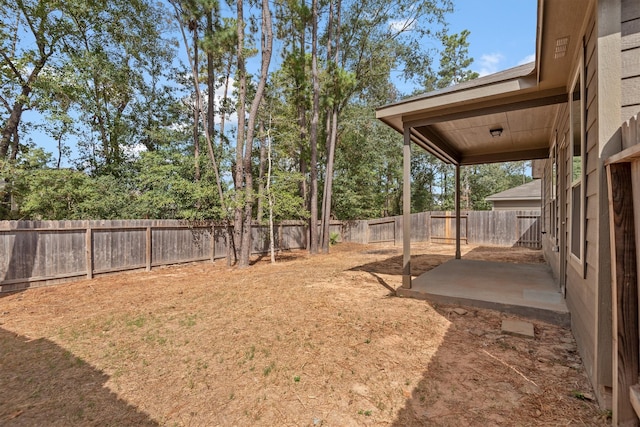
(458, 211)
(406, 209)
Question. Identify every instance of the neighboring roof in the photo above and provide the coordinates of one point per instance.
(530, 191)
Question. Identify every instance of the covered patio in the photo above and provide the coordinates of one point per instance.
(507, 116)
(523, 289)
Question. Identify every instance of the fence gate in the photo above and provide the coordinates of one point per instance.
(529, 231)
(443, 229)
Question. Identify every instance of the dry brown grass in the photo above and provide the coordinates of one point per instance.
(307, 341)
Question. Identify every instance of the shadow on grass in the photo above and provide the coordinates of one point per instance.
(281, 256)
(393, 266)
(44, 384)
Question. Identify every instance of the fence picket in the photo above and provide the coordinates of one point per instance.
(37, 253)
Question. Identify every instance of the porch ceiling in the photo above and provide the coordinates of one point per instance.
(454, 124)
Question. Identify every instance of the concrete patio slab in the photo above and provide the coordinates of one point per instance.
(527, 290)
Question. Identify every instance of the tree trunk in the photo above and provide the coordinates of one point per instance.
(328, 115)
(10, 130)
(223, 113)
(9, 134)
(211, 79)
(261, 167)
(196, 107)
(328, 182)
(267, 41)
(212, 156)
(302, 119)
(332, 140)
(270, 197)
(240, 136)
(315, 113)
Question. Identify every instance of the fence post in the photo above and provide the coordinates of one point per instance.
(213, 243)
(395, 233)
(148, 248)
(89, 251)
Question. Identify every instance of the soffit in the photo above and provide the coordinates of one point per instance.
(454, 124)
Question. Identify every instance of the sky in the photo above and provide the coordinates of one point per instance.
(503, 32)
(502, 36)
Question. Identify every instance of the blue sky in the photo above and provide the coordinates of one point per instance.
(503, 32)
(502, 36)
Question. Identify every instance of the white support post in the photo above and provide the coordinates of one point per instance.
(406, 210)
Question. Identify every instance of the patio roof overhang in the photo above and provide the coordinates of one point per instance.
(455, 123)
(506, 116)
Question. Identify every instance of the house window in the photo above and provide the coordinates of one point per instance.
(577, 172)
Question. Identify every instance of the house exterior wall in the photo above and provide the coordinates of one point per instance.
(588, 281)
(612, 95)
(516, 205)
(582, 277)
(630, 49)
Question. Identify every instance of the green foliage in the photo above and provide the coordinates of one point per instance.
(98, 75)
(368, 167)
(159, 185)
(454, 60)
(166, 189)
(334, 237)
(287, 202)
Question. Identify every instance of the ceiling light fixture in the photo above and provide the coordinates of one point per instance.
(496, 132)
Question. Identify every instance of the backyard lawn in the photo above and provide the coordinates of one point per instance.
(308, 341)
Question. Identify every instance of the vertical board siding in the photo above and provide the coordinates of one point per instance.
(630, 50)
(356, 231)
(118, 249)
(382, 231)
(176, 245)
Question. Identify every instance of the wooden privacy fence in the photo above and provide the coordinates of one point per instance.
(51, 251)
(34, 253)
(623, 181)
(443, 228)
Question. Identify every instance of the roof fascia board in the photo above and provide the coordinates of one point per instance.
(521, 199)
(509, 156)
(462, 96)
(556, 96)
(539, 38)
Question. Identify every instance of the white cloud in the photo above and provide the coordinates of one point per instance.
(219, 95)
(399, 25)
(490, 63)
(527, 59)
(230, 120)
(134, 150)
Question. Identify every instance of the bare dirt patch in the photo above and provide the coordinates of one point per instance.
(307, 341)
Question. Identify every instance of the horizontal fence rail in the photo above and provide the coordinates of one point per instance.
(37, 253)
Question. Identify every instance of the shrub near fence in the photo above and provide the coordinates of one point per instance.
(36, 253)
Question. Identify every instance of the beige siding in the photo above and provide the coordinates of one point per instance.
(549, 237)
(582, 278)
(515, 205)
(549, 240)
(630, 45)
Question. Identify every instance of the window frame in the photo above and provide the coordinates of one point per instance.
(577, 255)
(553, 196)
